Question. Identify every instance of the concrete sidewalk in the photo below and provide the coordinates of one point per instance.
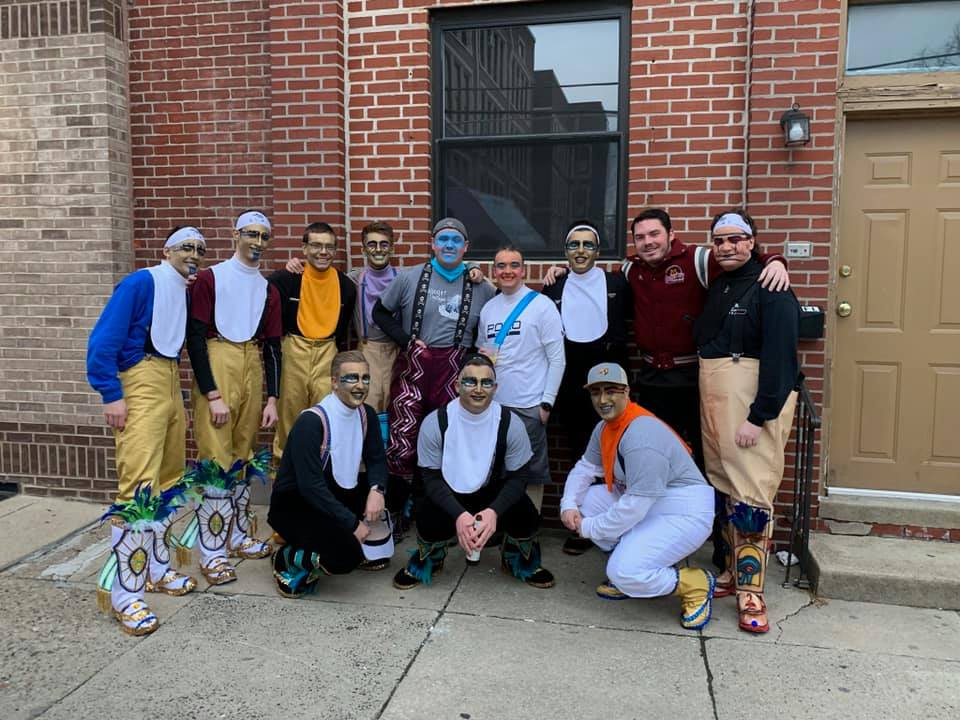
(475, 645)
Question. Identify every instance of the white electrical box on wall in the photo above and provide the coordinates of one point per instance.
(799, 250)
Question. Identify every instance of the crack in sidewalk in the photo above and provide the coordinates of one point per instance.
(440, 613)
(706, 667)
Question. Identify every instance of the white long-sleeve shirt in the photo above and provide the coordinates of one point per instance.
(531, 360)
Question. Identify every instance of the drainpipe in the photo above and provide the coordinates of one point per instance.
(747, 90)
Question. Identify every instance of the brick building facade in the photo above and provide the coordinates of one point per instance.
(121, 120)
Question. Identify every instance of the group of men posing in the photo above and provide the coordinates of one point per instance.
(459, 380)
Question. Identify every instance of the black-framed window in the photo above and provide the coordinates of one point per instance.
(530, 120)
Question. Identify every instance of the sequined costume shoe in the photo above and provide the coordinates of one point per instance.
(695, 588)
(126, 594)
(608, 591)
(163, 578)
(214, 517)
(520, 557)
(240, 541)
(426, 560)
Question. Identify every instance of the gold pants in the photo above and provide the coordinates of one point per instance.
(750, 475)
(238, 371)
(151, 448)
(380, 357)
(304, 381)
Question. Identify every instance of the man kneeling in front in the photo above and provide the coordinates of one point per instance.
(654, 509)
(474, 457)
(330, 513)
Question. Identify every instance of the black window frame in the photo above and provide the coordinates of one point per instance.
(559, 11)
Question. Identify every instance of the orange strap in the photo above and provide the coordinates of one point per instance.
(612, 432)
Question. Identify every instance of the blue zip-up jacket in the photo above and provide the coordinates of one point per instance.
(121, 336)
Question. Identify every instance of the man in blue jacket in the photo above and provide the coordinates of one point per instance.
(133, 362)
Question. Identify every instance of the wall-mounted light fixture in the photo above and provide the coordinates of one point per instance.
(795, 126)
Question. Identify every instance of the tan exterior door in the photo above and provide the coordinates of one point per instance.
(895, 391)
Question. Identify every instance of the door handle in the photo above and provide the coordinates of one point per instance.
(844, 309)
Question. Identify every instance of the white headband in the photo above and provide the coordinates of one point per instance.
(253, 218)
(578, 228)
(184, 234)
(736, 220)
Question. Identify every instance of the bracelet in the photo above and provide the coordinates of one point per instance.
(218, 396)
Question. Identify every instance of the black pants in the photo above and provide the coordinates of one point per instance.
(674, 397)
(573, 400)
(521, 520)
(306, 529)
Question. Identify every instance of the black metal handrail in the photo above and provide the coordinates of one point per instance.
(808, 422)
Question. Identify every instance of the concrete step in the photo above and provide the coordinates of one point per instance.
(895, 571)
(854, 515)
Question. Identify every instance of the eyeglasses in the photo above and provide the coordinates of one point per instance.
(610, 390)
(354, 378)
(449, 239)
(720, 240)
(513, 265)
(471, 382)
(322, 248)
(382, 245)
(588, 245)
(256, 235)
(190, 248)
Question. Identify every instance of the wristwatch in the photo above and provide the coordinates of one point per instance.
(546, 406)
(379, 489)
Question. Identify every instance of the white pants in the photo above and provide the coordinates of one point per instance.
(642, 562)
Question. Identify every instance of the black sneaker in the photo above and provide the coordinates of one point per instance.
(404, 580)
(576, 545)
(541, 578)
(374, 565)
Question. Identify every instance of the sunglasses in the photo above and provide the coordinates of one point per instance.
(191, 248)
(513, 265)
(256, 235)
(588, 245)
(354, 378)
(471, 382)
(720, 240)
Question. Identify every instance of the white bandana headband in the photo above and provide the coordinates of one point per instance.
(253, 218)
(578, 228)
(734, 220)
(184, 234)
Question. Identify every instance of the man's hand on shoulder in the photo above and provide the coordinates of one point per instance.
(554, 273)
(115, 413)
(775, 277)
(294, 265)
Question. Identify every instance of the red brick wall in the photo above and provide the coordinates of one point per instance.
(321, 110)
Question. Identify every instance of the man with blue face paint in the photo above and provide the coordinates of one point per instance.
(431, 312)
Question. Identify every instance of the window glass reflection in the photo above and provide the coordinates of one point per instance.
(531, 79)
(903, 37)
(527, 194)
